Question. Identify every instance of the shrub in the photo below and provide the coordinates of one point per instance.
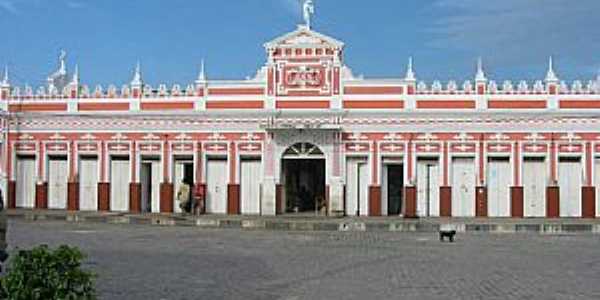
(42, 273)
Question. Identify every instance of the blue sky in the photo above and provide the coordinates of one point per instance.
(170, 37)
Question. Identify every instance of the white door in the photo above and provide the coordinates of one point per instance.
(156, 179)
(57, 183)
(570, 178)
(463, 187)
(428, 188)
(150, 177)
(119, 185)
(251, 176)
(146, 186)
(597, 184)
(88, 184)
(216, 182)
(357, 176)
(352, 193)
(25, 175)
(499, 180)
(534, 187)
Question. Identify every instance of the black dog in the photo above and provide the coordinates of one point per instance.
(447, 234)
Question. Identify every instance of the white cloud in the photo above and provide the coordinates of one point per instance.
(521, 31)
(8, 6)
(75, 4)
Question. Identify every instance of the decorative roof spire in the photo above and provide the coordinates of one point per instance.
(410, 73)
(5, 82)
(63, 65)
(75, 80)
(202, 74)
(137, 76)
(551, 75)
(480, 76)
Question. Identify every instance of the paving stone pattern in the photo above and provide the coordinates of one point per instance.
(150, 262)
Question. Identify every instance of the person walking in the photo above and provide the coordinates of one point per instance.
(183, 195)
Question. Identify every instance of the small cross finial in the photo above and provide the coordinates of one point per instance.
(410, 73)
(551, 75)
(480, 76)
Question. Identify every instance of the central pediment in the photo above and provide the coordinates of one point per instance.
(303, 37)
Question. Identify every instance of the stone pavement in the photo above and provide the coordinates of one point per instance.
(313, 223)
(166, 262)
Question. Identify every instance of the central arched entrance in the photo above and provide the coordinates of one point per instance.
(303, 179)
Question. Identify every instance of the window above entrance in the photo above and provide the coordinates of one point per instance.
(303, 151)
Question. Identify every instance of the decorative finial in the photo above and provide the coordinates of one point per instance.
(202, 74)
(137, 76)
(410, 73)
(480, 76)
(75, 80)
(5, 81)
(63, 64)
(551, 75)
(308, 10)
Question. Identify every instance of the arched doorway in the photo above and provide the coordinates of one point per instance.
(303, 179)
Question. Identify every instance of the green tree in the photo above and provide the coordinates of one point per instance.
(42, 273)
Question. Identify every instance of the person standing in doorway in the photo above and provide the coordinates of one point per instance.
(183, 195)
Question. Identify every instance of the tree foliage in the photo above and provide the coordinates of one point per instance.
(43, 273)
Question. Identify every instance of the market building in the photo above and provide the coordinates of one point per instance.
(306, 135)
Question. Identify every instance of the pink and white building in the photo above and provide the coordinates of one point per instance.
(303, 134)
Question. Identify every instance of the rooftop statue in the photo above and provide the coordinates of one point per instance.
(308, 11)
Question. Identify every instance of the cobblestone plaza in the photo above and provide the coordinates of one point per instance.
(147, 262)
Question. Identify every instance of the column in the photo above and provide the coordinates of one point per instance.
(481, 205)
(553, 191)
(445, 189)
(41, 186)
(233, 188)
(166, 187)
(103, 183)
(73, 184)
(516, 191)
(588, 191)
(271, 191)
(410, 197)
(135, 187)
(375, 187)
(335, 203)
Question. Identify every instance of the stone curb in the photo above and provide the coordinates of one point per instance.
(330, 225)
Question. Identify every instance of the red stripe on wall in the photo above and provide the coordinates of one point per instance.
(120, 106)
(166, 105)
(367, 104)
(234, 105)
(38, 107)
(302, 104)
(529, 104)
(431, 104)
(579, 104)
